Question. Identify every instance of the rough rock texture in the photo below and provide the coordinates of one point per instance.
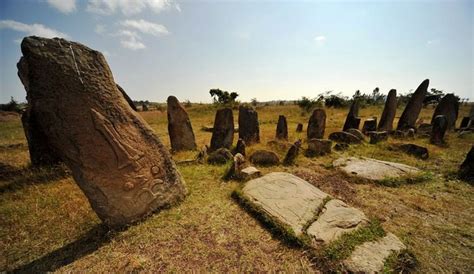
(179, 126)
(378, 136)
(413, 108)
(248, 125)
(370, 256)
(286, 198)
(316, 124)
(449, 107)
(282, 128)
(466, 171)
(318, 147)
(370, 124)
(116, 159)
(373, 169)
(240, 147)
(440, 125)
(235, 169)
(344, 137)
(415, 150)
(219, 156)
(41, 152)
(299, 128)
(292, 153)
(223, 131)
(389, 110)
(250, 172)
(352, 121)
(357, 133)
(125, 95)
(335, 219)
(264, 158)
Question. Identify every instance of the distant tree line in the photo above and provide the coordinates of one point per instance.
(13, 105)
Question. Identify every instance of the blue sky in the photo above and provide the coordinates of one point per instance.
(269, 50)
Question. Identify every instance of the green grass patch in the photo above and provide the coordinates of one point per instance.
(400, 262)
(396, 182)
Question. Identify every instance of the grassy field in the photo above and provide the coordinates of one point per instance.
(46, 221)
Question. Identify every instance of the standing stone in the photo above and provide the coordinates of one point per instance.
(466, 171)
(282, 128)
(292, 154)
(369, 125)
(223, 131)
(248, 125)
(240, 147)
(440, 125)
(413, 108)
(144, 107)
(449, 107)
(316, 124)
(352, 121)
(115, 158)
(179, 126)
(378, 136)
(388, 114)
(125, 95)
(299, 127)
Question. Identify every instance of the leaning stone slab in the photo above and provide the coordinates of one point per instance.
(282, 196)
(336, 219)
(373, 169)
(413, 108)
(370, 256)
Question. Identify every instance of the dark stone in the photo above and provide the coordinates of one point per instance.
(465, 122)
(248, 125)
(299, 128)
(352, 121)
(223, 130)
(466, 170)
(411, 133)
(413, 108)
(264, 158)
(316, 124)
(357, 133)
(292, 153)
(369, 125)
(144, 107)
(440, 125)
(179, 126)
(282, 128)
(449, 107)
(378, 136)
(388, 114)
(344, 137)
(318, 147)
(127, 98)
(219, 157)
(415, 150)
(424, 129)
(341, 146)
(240, 147)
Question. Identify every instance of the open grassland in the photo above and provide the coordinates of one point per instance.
(46, 221)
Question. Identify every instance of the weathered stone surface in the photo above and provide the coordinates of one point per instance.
(466, 171)
(370, 124)
(236, 167)
(316, 124)
(318, 147)
(223, 131)
(240, 147)
(352, 121)
(116, 159)
(449, 107)
(286, 198)
(335, 219)
(373, 169)
(415, 150)
(248, 125)
(389, 110)
(292, 153)
(341, 146)
(125, 95)
(378, 136)
(264, 158)
(299, 128)
(411, 133)
(440, 125)
(250, 172)
(413, 108)
(344, 137)
(219, 156)
(179, 126)
(370, 256)
(357, 133)
(282, 128)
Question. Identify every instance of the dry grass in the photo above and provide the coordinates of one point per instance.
(45, 218)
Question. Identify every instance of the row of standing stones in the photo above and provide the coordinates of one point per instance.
(78, 115)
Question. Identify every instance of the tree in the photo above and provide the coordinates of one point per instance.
(223, 97)
(11, 106)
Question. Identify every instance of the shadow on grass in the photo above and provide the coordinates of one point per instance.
(13, 178)
(87, 244)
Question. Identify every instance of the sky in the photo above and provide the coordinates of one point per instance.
(268, 50)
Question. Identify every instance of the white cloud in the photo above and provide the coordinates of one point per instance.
(432, 42)
(320, 38)
(33, 29)
(146, 27)
(129, 7)
(100, 29)
(64, 6)
(130, 40)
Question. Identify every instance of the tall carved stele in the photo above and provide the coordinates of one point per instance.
(115, 158)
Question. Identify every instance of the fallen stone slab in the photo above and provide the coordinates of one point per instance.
(285, 198)
(415, 150)
(373, 169)
(370, 256)
(344, 137)
(335, 219)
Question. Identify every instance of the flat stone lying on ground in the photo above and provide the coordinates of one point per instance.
(344, 137)
(370, 256)
(415, 150)
(264, 158)
(373, 169)
(318, 147)
(356, 133)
